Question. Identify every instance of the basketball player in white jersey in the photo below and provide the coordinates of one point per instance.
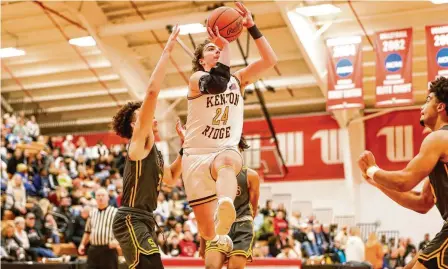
(211, 159)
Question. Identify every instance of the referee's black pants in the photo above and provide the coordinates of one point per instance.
(102, 257)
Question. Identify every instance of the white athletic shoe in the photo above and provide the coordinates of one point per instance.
(225, 243)
(224, 216)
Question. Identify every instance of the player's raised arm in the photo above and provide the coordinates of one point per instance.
(172, 172)
(268, 59)
(143, 124)
(416, 170)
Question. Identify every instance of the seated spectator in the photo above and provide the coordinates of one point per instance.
(16, 195)
(80, 224)
(287, 253)
(162, 206)
(11, 243)
(187, 246)
(192, 223)
(173, 246)
(16, 159)
(280, 222)
(268, 211)
(36, 238)
(355, 250)
(51, 229)
(374, 252)
(65, 219)
(267, 229)
(33, 128)
(425, 242)
(176, 205)
(301, 236)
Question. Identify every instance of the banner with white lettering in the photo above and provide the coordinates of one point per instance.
(394, 138)
(344, 67)
(394, 68)
(437, 51)
(310, 146)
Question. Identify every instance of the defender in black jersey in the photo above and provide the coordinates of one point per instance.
(242, 230)
(134, 224)
(432, 162)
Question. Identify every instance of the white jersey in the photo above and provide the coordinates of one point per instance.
(215, 120)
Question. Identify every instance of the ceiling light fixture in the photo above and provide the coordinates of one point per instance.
(437, 2)
(85, 41)
(318, 10)
(11, 52)
(193, 28)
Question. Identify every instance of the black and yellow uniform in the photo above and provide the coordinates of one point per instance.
(242, 230)
(435, 254)
(134, 224)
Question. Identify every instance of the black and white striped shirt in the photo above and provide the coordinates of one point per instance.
(99, 226)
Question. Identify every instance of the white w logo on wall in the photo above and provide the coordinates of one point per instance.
(330, 145)
(399, 142)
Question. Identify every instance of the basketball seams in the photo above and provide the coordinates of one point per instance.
(214, 23)
(222, 30)
(239, 16)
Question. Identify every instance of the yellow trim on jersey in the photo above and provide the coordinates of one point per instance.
(138, 173)
(247, 253)
(439, 256)
(202, 201)
(433, 192)
(427, 257)
(137, 252)
(215, 249)
(134, 239)
(222, 167)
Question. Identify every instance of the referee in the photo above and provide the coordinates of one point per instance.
(102, 252)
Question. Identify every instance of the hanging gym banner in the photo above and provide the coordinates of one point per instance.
(437, 51)
(344, 67)
(394, 68)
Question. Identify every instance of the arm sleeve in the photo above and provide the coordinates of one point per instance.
(215, 82)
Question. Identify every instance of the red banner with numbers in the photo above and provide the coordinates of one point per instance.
(437, 51)
(344, 67)
(394, 68)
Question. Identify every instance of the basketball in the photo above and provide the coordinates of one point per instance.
(229, 22)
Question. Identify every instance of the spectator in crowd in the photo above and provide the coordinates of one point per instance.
(342, 237)
(33, 128)
(268, 210)
(80, 225)
(355, 249)
(425, 242)
(162, 206)
(374, 252)
(11, 243)
(14, 161)
(36, 238)
(287, 252)
(16, 195)
(187, 247)
(279, 222)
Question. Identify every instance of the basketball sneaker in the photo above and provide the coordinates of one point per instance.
(225, 215)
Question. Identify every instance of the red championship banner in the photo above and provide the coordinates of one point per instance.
(394, 68)
(310, 145)
(394, 138)
(344, 67)
(437, 51)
